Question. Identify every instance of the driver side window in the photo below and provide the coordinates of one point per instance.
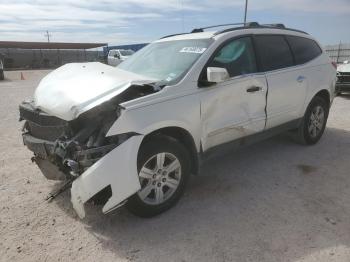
(237, 56)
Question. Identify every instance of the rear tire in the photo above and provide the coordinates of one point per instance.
(314, 122)
(164, 168)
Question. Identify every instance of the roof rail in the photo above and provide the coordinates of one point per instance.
(200, 30)
(275, 25)
(244, 26)
(258, 26)
(249, 24)
(240, 26)
(174, 35)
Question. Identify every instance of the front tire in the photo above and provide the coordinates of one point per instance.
(314, 122)
(164, 168)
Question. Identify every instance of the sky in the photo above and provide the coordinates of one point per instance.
(136, 21)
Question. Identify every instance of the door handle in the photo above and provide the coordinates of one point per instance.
(253, 89)
(301, 79)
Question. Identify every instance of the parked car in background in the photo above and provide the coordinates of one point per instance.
(116, 56)
(2, 77)
(136, 132)
(343, 78)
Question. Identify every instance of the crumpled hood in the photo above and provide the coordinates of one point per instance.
(75, 88)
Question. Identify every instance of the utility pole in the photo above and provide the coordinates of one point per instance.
(48, 36)
(245, 11)
(338, 55)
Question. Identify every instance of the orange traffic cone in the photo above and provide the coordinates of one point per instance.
(22, 76)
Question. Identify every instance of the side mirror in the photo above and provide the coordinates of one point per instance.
(217, 74)
(117, 56)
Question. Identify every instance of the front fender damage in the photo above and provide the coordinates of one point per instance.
(117, 169)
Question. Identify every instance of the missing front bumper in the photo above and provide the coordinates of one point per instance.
(51, 157)
(117, 168)
(42, 150)
(49, 170)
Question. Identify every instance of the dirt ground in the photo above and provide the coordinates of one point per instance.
(272, 201)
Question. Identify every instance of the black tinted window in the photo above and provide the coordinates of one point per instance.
(274, 52)
(304, 49)
(237, 56)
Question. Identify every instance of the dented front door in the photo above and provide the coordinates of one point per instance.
(233, 109)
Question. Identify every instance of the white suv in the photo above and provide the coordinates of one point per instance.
(133, 134)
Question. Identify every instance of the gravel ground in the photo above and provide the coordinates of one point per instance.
(272, 201)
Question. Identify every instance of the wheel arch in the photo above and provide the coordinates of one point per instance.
(324, 94)
(182, 136)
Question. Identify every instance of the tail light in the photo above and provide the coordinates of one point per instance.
(335, 65)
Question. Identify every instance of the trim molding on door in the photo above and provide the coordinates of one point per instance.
(248, 140)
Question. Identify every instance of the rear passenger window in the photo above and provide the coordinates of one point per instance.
(304, 49)
(274, 52)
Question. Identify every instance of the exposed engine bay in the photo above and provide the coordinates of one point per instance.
(68, 126)
(65, 149)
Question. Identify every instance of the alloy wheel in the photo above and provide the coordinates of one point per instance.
(159, 178)
(316, 121)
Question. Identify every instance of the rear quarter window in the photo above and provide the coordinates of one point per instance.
(274, 52)
(304, 49)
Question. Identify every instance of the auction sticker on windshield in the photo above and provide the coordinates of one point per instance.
(193, 49)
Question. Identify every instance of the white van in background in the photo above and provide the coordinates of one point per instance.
(116, 56)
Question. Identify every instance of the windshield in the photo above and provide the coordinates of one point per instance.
(166, 61)
(126, 52)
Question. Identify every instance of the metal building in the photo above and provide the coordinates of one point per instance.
(34, 55)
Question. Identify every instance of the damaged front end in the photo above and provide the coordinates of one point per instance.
(79, 150)
(65, 149)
